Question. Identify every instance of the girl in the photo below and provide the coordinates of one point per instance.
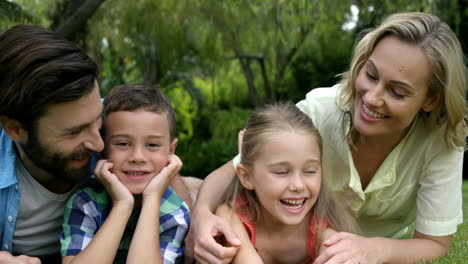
(280, 199)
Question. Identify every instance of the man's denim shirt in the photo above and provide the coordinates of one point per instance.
(10, 191)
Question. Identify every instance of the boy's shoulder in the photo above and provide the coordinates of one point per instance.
(91, 191)
(171, 202)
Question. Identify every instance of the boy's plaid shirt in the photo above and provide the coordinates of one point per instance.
(90, 206)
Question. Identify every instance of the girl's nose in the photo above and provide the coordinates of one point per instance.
(296, 182)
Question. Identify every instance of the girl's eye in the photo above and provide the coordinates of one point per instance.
(310, 171)
(370, 76)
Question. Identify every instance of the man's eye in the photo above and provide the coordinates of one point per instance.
(74, 133)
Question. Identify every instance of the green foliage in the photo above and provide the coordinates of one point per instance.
(12, 13)
(203, 155)
(185, 109)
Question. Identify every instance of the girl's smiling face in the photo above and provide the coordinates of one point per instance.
(286, 177)
(138, 144)
(391, 88)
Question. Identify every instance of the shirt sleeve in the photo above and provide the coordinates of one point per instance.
(174, 222)
(80, 224)
(439, 199)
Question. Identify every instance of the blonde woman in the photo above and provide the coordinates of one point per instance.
(393, 137)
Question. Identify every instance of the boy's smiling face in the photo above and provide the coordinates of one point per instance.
(138, 144)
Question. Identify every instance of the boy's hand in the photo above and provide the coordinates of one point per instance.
(161, 181)
(116, 189)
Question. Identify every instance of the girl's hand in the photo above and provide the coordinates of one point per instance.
(160, 182)
(116, 189)
(347, 248)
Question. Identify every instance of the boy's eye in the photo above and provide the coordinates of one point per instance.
(153, 145)
(121, 144)
(312, 171)
(281, 172)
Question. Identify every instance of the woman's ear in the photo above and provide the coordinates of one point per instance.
(245, 177)
(14, 129)
(432, 102)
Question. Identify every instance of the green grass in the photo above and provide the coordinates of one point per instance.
(459, 251)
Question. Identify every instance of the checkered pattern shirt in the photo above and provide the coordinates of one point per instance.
(90, 206)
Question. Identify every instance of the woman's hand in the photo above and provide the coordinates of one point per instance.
(349, 249)
(207, 230)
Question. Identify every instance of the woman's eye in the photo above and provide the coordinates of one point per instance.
(370, 76)
(395, 93)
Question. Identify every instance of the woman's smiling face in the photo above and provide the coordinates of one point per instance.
(391, 88)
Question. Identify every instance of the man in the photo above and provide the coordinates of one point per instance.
(50, 116)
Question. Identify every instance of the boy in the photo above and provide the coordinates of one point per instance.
(127, 214)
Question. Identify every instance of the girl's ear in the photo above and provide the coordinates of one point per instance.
(13, 129)
(173, 146)
(432, 102)
(245, 177)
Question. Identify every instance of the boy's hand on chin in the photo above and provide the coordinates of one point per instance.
(161, 181)
(116, 189)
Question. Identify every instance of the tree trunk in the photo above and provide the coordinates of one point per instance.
(249, 78)
(70, 21)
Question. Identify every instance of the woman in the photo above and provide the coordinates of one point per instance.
(393, 134)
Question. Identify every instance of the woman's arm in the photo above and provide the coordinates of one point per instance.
(342, 247)
(206, 225)
(246, 252)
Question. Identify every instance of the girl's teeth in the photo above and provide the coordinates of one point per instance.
(294, 204)
(372, 113)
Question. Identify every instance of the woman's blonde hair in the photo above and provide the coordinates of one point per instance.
(268, 121)
(449, 73)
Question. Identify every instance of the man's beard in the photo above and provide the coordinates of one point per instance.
(55, 163)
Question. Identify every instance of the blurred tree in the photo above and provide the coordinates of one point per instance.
(12, 13)
(71, 16)
(265, 36)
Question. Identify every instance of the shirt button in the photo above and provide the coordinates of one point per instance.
(10, 219)
(16, 186)
(6, 246)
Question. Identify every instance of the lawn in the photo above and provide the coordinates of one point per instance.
(459, 251)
